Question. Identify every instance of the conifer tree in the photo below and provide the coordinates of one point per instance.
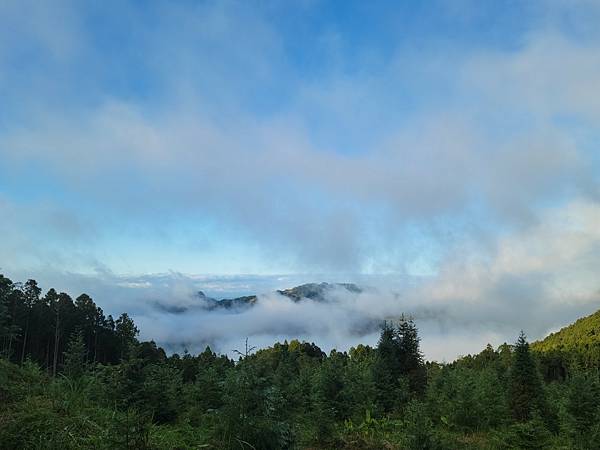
(126, 333)
(582, 405)
(526, 391)
(412, 365)
(399, 369)
(386, 368)
(75, 356)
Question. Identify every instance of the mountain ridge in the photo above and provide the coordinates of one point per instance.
(308, 291)
(579, 335)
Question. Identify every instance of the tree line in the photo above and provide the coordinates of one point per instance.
(39, 327)
(72, 378)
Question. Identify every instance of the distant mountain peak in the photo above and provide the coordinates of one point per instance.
(310, 291)
(317, 291)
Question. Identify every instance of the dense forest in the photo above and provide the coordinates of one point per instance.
(72, 378)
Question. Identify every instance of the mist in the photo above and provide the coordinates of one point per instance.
(454, 177)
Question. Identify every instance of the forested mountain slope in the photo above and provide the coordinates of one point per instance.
(582, 334)
(578, 342)
(72, 378)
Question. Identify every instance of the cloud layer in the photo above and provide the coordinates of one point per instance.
(450, 147)
(537, 280)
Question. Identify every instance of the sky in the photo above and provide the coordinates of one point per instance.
(445, 152)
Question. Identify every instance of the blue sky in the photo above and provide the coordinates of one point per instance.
(308, 137)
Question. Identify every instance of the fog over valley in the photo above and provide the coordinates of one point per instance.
(444, 159)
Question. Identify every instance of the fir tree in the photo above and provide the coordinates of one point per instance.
(526, 392)
(386, 369)
(583, 408)
(412, 365)
(75, 356)
(126, 333)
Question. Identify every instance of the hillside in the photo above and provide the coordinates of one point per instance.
(576, 345)
(74, 379)
(317, 291)
(580, 335)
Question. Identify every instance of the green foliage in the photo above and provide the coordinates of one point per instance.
(526, 391)
(411, 358)
(358, 383)
(531, 434)
(75, 357)
(398, 369)
(125, 332)
(584, 335)
(468, 400)
(584, 410)
(577, 345)
(371, 433)
(251, 412)
(418, 428)
(41, 414)
(114, 392)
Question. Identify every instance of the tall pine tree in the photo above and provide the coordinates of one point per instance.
(399, 369)
(412, 365)
(526, 391)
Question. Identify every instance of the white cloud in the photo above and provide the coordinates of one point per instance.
(477, 164)
(538, 279)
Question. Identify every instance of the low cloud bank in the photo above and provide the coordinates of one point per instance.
(536, 280)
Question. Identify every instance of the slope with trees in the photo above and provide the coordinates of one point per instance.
(72, 378)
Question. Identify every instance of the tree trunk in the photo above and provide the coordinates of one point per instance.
(56, 341)
(48, 355)
(95, 345)
(25, 340)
